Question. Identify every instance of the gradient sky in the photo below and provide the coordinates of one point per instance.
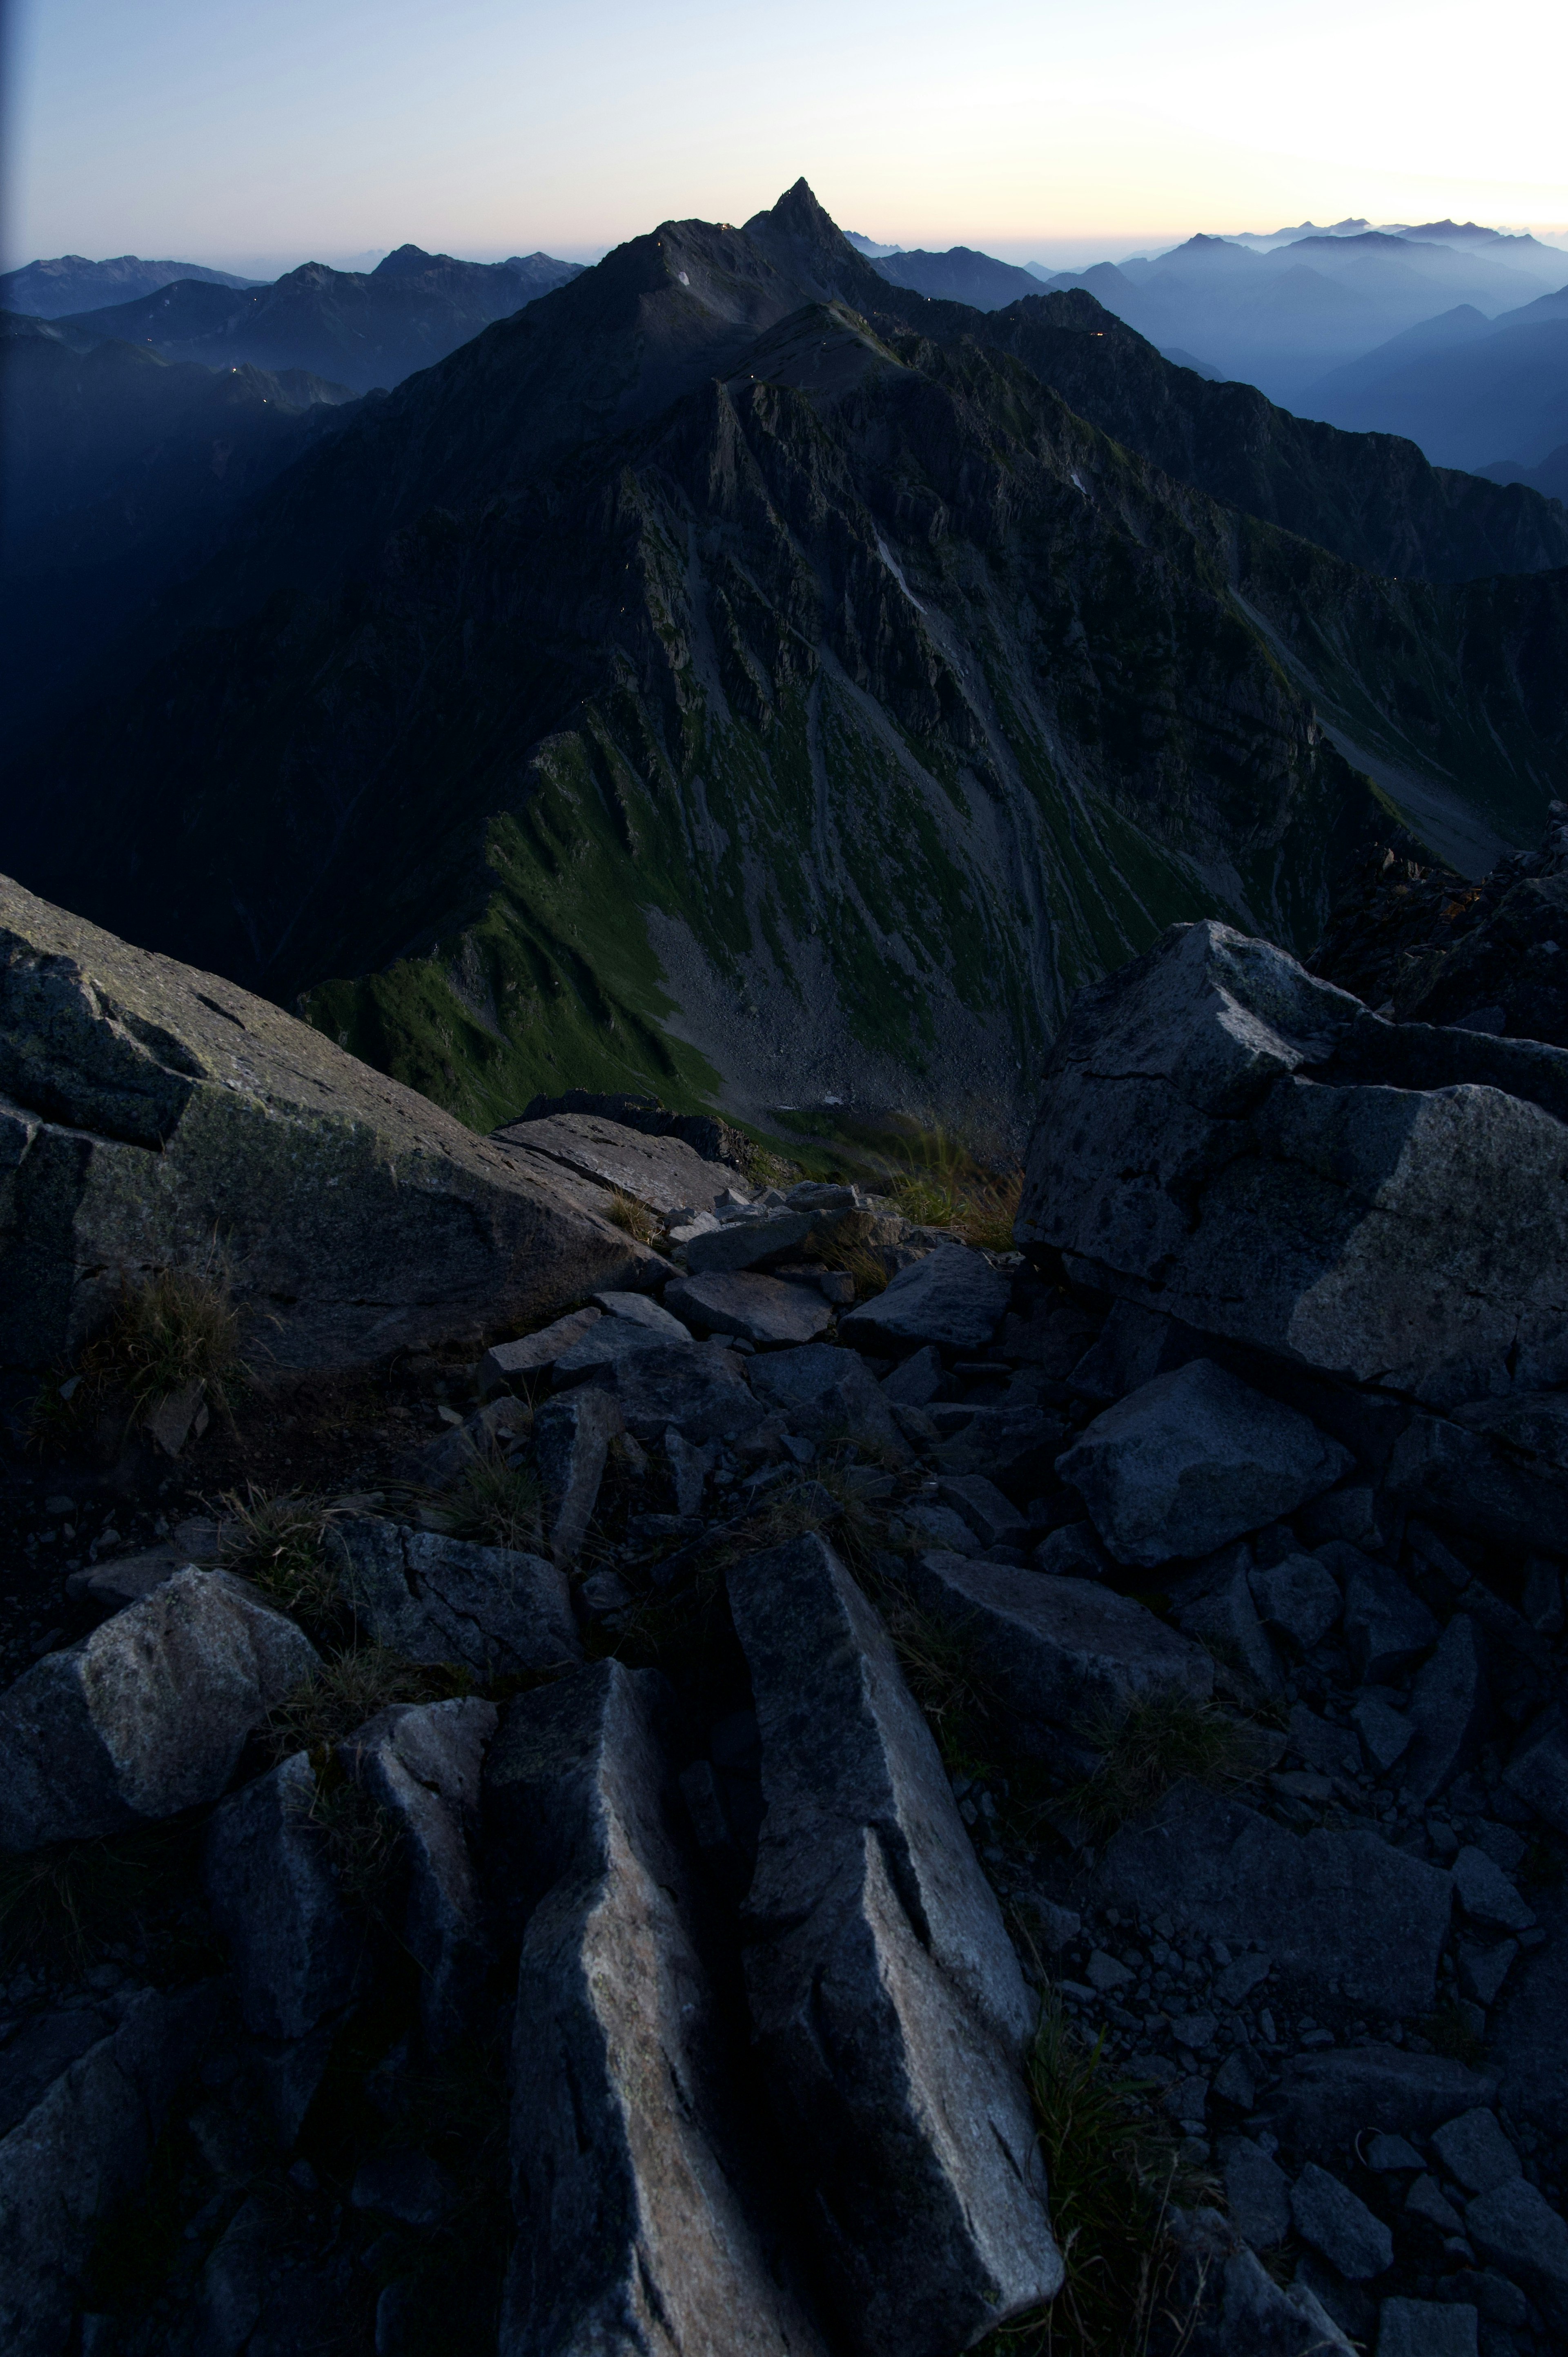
(261, 134)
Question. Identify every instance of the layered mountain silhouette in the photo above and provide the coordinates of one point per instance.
(1467, 388)
(359, 328)
(960, 275)
(738, 674)
(47, 290)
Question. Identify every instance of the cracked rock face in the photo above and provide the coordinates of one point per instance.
(439, 1600)
(1229, 1141)
(887, 2002)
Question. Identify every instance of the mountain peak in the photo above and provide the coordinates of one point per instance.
(798, 215)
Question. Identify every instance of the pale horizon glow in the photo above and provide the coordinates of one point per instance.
(254, 138)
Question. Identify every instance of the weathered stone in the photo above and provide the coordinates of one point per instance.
(147, 1715)
(1073, 1552)
(1386, 1627)
(918, 1380)
(790, 1233)
(1356, 1515)
(665, 1173)
(571, 1437)
(1496, 1469)
(1385, 1731)
(499, 1426)
(1231, 2305)
(1297, 1599)
(1327, 1906)
(504, 1362)
(1388, 2153)
(126, 1579)
(1483, 1971)
(1060, 1654)
(941, 1528)
(641, 1309)
(274, 1895)
(889, 2004)
(80, 2145)
(608, 1345)
(1323, 2100)
(438, 1599)
(1191, 1461)
(1258, 2192)
(1132, 1347)
(1516, 2227)
(759, 1308)
(407, 2185)
(638, 2222)
(420, 1762)
(1226, 1139)
(994, 1519)
(1537, 1774)
(1449, 1711)
(952, 1298)
(1336, 2221)
(1486, 1893)
(1475, 2151)
(156, 1107)
(826, 1394)
(698, 1388)
(1332, 1750)
(1223, 1617)
(1425, 2328)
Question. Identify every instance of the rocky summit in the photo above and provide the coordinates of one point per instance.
(614, 1743)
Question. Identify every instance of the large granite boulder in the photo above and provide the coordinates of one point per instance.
(433, 1599)
(1226, 1140)
(641, 2219)
(275, 1897)
(146, 1107)
(888, 2005)
(147, 1715)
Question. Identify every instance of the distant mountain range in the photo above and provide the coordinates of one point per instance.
(739, 674)
(47, 290)
(1470, 390)
(358, 329)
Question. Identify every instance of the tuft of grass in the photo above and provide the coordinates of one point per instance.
(495, 1504)
(277, 1540)
(641, 1224)
(942, 1672)
(859, 1260)
(61, 1906)
(1160, 1739)
(943, 1184)
(180, 1328)
(1111, 2174)
(365, 1843)
(329, 1705)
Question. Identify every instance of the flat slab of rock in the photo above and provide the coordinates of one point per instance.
(827, 1393)
(1498, 1469)
(700, 1388)
(157, 1106)
(889, 2004)
(1327, 1906)
(1323, 2100)
(1233, 2305)
(954, 1298)
(504, 1361)
(1226, 1140)
(273, 1894)
(762, 1309)
(438, 1599)
(640, 2224)
(665, 1173)
(1062, 1653)
(147, 1715)
(1194, 1459)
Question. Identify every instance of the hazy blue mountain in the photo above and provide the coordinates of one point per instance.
(49, 290)
(960, 275)
(358, 329)
(1550, 477)
(734, 663)
(1467, 394)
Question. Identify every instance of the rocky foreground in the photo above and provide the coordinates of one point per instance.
(638, 1935)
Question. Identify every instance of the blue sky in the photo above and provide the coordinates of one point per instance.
(259, 135)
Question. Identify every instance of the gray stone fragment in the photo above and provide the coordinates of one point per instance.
(1483, 1970)
(1258, 2192)
(126, 1579)
(638, 2225)
(274, 1895)
(504, 1362)
(1498, 1470)
(1449, 1709)
(1332, 1750)
(571, 1437)
(1386, 1627)
(1542, 1600)
(1537, 1774)
(665, 1173)
(1224, 1618)
(1232, 2306)
(641, 1309)
(420, 1762)
(1323, 2100)
(1297, 1599)
(699, 1387)
(763, 1309)
(80, 2147)
(1061, 1654)
(1073, 1552)
(1327, 1906)
(1234, 2083)
(501, 1424)
(888, 2005)
(1336, 2221)
(1424, 2200)
(1516, 2227)
(1238, 1980)
(1388, 2153)
(433, 1599)
(994, 1519)
(942, 1528)
(147, 1715)
(1351, 1515)
(1426, 2328)
(1133, 1347)
(607, 1344)
(826, 1394)
(1385, 1731)
(788, 1233)
(1191, 1461)
(916, 1380)
(954, 1298)
(691, 1466)
(1475, 2151)
(1486, 1893)
(407, 2185)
